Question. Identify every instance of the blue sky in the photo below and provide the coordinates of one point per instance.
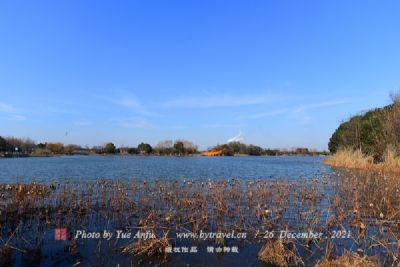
(281, 74)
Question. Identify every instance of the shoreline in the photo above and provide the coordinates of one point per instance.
(152, 155)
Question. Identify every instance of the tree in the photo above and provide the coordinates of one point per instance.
(391, 124)
(144, 148)
(302, 151)
(132, 150)
(372, 133)
(109, 148)
(164, 147)
(69, 149)
(271, 152)
(395, 96)
(254, 150)
(189, 147)
(179, 148)
(55, 148)
(225, 148)
(23, 144)
(41, 145)
(236, 146)
(28, 145)
(4, 146)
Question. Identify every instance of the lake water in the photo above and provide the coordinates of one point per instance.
(293, 200)
(89, 168)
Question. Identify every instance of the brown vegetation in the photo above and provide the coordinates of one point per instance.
(355, 159)
(367, 205)
(349, 260)
(277, 253)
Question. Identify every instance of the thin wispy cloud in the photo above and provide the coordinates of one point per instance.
(12, 112)
(295, 109)
(124, 99)
(134, 105)
(322, 105)
(17, 118)
(6, 108)
(215, 101)
(127, 100)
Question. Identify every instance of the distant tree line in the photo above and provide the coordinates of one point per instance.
(13, 144)
(179, 147)
(238, 148)
(16, 146)
(374, 132)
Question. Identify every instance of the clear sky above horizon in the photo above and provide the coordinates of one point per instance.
(279, 74)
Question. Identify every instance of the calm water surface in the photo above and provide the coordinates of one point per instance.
(89, 168)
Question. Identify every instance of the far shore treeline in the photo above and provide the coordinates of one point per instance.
(16, 147)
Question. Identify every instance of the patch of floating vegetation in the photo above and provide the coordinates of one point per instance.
(330, 219)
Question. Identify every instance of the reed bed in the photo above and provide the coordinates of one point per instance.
(364, 204)
(349, 158)
(355, 159)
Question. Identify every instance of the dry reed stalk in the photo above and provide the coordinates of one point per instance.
(147, 248)
(349, 260)
(349, 158)
(246, 205)
(355, 159)
(277, 253)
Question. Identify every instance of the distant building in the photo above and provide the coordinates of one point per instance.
(212, 153)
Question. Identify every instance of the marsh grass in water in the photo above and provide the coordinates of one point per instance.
(363, 204)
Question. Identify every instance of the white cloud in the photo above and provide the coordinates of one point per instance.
(237, 138)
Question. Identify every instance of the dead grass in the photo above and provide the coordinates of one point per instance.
(347, 158)
(349, 260)
(279, 254)
(366, 204)
(148, 248)
(355, 159)
(391, 160)
(5, 255)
